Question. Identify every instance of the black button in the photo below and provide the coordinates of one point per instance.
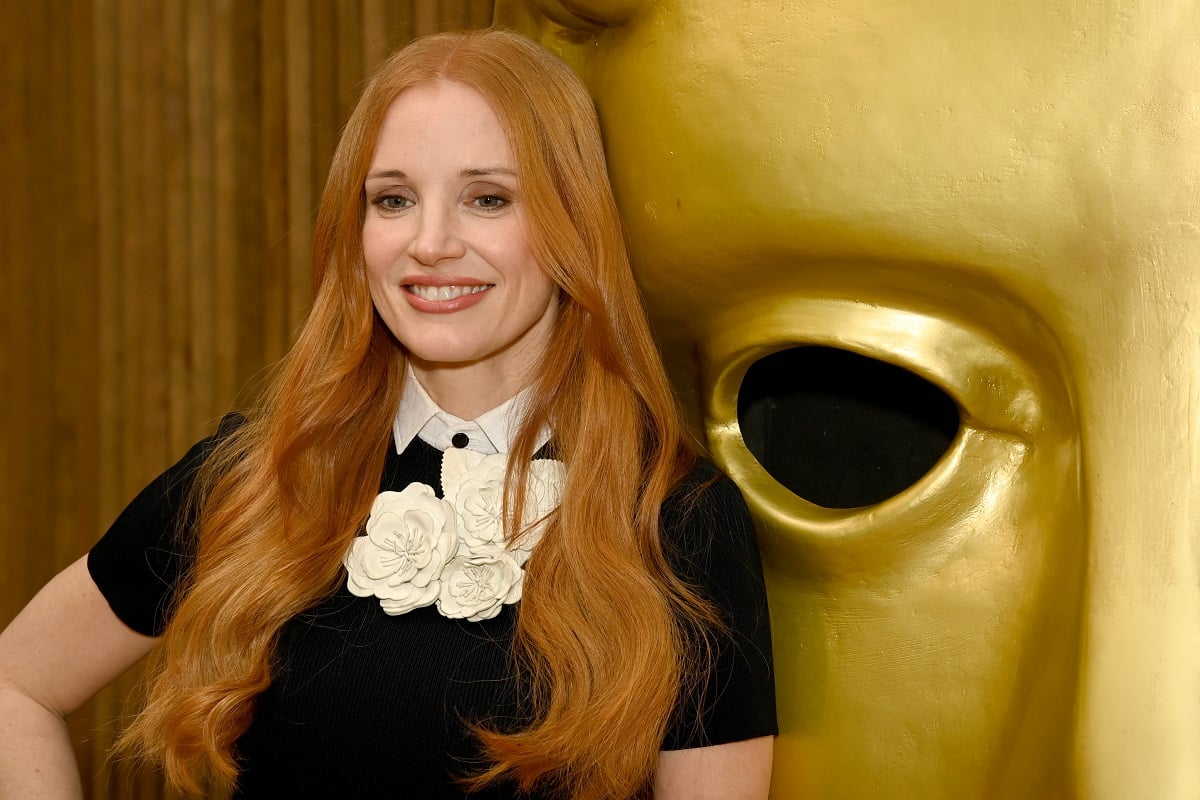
(460, 440)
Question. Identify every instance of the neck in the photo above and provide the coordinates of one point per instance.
(467, 390)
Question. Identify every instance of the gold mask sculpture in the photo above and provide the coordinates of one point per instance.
(989, 213)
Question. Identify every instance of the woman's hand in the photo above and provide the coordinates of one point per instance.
(60, 650)
(734, 771)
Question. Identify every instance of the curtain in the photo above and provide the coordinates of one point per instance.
(162, 162)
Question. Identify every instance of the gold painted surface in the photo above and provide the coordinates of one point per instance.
(1004, 199)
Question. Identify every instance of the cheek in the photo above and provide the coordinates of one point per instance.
(553, 290)
(537, 285)
(378, 251)
(375, 269)
(376, 286)
(507, 248)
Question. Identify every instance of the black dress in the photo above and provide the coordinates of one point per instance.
(364, 702)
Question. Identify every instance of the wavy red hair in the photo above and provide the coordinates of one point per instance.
(282, 498)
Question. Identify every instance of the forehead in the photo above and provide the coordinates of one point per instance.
(441, 124)
(1037, 144)
(944, 186)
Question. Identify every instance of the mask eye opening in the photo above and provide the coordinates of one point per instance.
(840, 429)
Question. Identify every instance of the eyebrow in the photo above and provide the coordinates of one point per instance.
(386, 173)
(469, 172)
(476, 172)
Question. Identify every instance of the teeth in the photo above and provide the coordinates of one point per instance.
(434, 293)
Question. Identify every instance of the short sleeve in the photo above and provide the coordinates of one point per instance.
(709, 540)
(139, 561)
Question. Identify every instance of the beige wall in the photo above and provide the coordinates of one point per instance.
(161, 161)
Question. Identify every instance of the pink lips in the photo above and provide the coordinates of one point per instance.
(459, 303)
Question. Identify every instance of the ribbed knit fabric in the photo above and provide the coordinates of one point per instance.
(366, 704)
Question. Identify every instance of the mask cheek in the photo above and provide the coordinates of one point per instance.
(915, 483)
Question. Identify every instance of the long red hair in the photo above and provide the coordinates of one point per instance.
(607, 637)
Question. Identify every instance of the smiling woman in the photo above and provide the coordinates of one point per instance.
(447, 251)
(461, 544)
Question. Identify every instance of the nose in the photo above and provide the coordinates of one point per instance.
(437, 237)
(1139, 714)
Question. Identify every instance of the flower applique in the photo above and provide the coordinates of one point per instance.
(421, 549)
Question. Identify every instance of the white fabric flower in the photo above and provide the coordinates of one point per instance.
(475, 587)
(411, 535)
(542, 495)
(474, 484)
(421, 549)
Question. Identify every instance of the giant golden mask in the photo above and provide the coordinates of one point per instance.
(946, 257)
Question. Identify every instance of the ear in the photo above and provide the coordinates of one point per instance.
(565, 27)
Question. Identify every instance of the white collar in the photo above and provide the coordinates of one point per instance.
(490, 432)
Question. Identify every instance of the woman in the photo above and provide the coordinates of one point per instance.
(549, 595)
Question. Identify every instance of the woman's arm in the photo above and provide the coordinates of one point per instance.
(61, 649)
(734, 771)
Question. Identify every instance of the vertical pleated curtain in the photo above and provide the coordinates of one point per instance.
(161, 161)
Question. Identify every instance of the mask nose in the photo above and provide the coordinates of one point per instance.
(1139, 702)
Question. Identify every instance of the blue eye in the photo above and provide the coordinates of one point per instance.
(393, 202)
(490, 201)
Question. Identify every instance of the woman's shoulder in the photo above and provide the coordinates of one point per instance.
(703, 496)
(138, 562)
(709, 540)
(705, 523)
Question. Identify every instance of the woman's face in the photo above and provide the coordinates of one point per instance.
(445, 239)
